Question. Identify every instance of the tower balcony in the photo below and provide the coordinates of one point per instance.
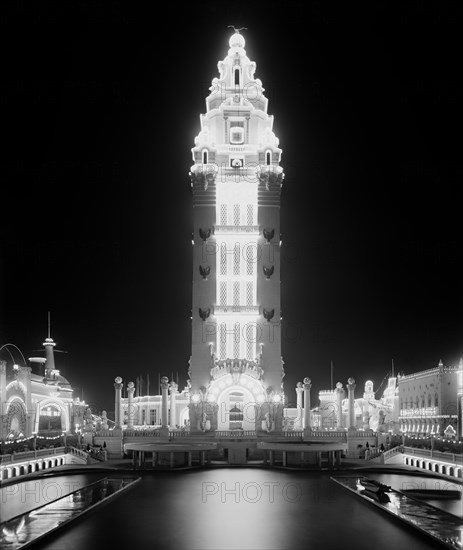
(229, 148)
(220, 230)
(252, 311)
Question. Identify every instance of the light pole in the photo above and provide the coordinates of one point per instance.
(9, 352)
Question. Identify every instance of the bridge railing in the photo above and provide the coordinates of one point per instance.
(386, 455)
(30, 455)
(435, 455)
(77, 452)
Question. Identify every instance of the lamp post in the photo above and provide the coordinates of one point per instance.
(307, 419)
(117, 402)
(10, 354)
(130, 411)
(299, 417)
(164, 404)
(350, 392)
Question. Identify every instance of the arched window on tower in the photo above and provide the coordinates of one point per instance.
(205, 156)
(429, 400)
(268, 158)
(236, 75)
(436, 400)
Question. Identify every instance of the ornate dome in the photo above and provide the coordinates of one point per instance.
(237, 41)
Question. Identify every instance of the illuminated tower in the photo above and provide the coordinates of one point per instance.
(236, 368)
(49, 353)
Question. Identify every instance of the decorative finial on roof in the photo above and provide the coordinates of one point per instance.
(237, 40)
(237, 30)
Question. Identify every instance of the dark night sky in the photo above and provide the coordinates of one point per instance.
(103, 102)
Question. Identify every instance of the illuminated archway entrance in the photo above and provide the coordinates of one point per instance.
(16, 417)
(50, 418)
(236, 409)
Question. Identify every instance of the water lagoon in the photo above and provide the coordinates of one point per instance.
(231, 508)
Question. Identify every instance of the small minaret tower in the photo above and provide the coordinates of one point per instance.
(49, 353)
(236, 181)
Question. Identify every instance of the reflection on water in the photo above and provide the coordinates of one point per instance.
(24, 496)
(445, 527)
(237, 508)
(22, 530)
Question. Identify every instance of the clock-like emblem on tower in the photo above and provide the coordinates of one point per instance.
(268, 235)
(204, 234)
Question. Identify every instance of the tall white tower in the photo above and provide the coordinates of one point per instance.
(236, 368)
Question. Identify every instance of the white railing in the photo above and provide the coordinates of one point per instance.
(392, 452)
(142, 433)
(329, 434)
(77, 452)
(30, 455)
(295, 433)
(435, 455)
(372, 453)
(235, 434)
(179, 433)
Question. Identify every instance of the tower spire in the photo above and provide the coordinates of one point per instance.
(49, 345)
(237, 31)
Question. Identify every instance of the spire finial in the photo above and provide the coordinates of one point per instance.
(49, 325)
(237, 30)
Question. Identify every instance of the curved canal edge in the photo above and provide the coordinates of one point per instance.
(441, 526)
(26, 529)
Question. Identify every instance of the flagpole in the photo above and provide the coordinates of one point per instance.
(331, 374)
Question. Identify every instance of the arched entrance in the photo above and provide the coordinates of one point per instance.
(236, 409)
(16, 417)
(50, 418)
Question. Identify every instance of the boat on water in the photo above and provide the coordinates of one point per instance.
(433, 493)
(373, 489)
(374, 485)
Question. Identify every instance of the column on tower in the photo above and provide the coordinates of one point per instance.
(117, 402)
(351, 402)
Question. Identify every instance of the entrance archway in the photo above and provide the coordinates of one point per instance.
(236, 409)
